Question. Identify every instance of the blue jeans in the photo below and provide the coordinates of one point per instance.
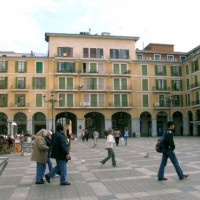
(40, 171)
(61, 165)
(125, 140)
(172, 156)
(49, 163)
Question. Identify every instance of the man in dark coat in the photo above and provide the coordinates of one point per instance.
(169, 153)
(61, 154)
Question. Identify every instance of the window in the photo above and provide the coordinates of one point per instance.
(39, 99)
(139, 57)
(195, 66)
(188, 83)
(92, 53)
(197, 97)
(20, 100)
(186, 69)
(144, 70)
(119, 54)
(3, 100)
(176, 85)
(120, 83)
(161, 84)
(120, 100)
(93, 68)
(66, 83)
(3, 66)
(93, 83)
(145, 100)
(182, 58)
(170, 58)
(145, 84)
(157, 57)
(65, 52)
(161, 100)
(39, 67)
(20, 82)
(66, 67)
(3, 82)
(177, 101)
(176, 71)
(187, 99)
(66, 100)
(94, 100)
(120, 68)
(20, 66)
(38, 82)
(160, 70)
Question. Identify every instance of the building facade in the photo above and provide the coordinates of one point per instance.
(100, 82)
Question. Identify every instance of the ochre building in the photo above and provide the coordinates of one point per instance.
(100, 82)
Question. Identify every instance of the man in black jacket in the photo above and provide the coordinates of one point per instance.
(169, 153)
(61, 154)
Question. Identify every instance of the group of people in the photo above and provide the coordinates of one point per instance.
(46, 146)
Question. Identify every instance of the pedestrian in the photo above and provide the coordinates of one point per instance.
(48, 142)
(39, 154)
(109, 147)
(86, 134)
(117, 136)
(61, 154)
(169, 153)
(95, 137)
(83, 135)
(126, 135)
(68, 141)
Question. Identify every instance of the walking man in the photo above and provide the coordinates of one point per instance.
(169, 153)
(61, 154)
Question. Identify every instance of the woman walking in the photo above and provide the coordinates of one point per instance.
(109, 147)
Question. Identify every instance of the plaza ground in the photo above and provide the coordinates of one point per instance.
(134, 178)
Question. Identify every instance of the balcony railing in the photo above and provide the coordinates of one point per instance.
(19, 106)
(195, 85)
(164, 89)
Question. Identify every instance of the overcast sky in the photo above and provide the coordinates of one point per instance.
(24, 22)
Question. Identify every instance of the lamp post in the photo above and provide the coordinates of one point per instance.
(169, 101)
(52, 101)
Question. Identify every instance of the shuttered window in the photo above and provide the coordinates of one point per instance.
(39, 67)
(38, 100)
(145, 100)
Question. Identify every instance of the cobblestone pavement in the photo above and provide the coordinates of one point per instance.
(134, 178)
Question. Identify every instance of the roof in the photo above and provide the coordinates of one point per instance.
(107, 36)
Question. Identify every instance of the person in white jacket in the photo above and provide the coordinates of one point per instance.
(109, 147)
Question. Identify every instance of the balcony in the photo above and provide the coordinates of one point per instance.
(20, 88)
(195, 86)
(19, 106)
(161, 90)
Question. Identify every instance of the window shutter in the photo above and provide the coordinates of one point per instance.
(69, 100)
(93, 67)
(144, 69)
(172, 74)
(181, 99)
(69, 82)
(186, 70)
(62, 83)
(6, 67)
(101, 100)
(5, 103)
(156, 70)
(124, 100)
(16, 66)
(192, 67)
(145, 100)
(116, 100)
(124, 83)
(123, 68)
(116, 68)
(156, 84)
(6, 82)
(172, 85)
(180, 71)
(100, 83)
(144, 84)
(62, 101)
(164, 69)
(165, 84)
(116, 84)
(188, 84)
(44, 82)
(161, 100)
(181, 85)
(25, 66)
(93, 100)
(38, 100)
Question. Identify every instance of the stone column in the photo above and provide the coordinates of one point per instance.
(154, 127)
(108, 124)
(136, 126)
(195, 130)
(186, 130)
(80, 127)
(29, 126)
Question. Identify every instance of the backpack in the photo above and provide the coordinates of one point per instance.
(160, 145)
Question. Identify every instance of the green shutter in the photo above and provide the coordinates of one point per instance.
(124, 100)
(188, 84)
(165, 71)
(38, 67)
(93, 100)
(38, 100)
(69, 82)
(156, 84)
(61, 82)
(33, 82)
(165, 84)
(145, 100)
(181, 99)
(25, 66)
(161, 101)
(144, 69)
(93, 83)
(116, 100)
(5, 103)
(44, 83)
(6, 83)
(181, 85)
(116, 84)
(6, 67)
(124, 83)
(69, 100)
(180, 71)
(62, 100)
(192, 66)
(16, 66)
(116, 68)
(144, 84)
(57, 66)
(186, 70)
(93, 67)
(156, 70)
(123, 68)
(172, 74)
(172, 85)
(197, 97)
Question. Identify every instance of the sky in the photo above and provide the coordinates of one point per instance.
(25, 22)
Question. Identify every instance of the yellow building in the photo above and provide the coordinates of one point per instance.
(100, 81)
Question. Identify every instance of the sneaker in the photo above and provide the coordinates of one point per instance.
(47, 178)
(184, 176)
(42, 180)
(66, 183)
(38, 183)
(163, 179)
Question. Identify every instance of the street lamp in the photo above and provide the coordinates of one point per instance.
(169, 101)
(52, 101)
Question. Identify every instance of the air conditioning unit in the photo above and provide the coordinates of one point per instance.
(156, 104)
(65, 54)
(85, 104)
